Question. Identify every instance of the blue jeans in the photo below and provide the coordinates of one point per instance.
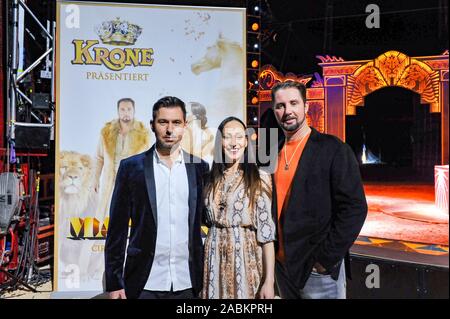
(317, 286)
(324, 287)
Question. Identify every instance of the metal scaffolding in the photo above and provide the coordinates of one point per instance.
(15, 78)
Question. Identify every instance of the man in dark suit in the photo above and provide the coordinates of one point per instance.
(319, 202)
(160, 190)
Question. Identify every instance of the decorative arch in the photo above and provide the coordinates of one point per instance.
(345, 84)
(393, 68)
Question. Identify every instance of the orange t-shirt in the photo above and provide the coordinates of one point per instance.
(283, 180)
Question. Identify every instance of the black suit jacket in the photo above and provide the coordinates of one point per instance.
(134, 197)
(326, 208)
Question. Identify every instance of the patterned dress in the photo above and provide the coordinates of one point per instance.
(233, 248)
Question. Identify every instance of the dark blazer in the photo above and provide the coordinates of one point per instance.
(326, 208)
(134, 197)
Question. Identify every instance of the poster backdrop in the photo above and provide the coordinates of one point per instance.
(108, 52)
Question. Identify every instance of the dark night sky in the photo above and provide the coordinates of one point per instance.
(413, 27)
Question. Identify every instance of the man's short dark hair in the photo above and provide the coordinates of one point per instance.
(169, 101)
(289, 84)
(125, 99)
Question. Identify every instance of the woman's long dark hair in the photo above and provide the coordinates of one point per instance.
(252, 180)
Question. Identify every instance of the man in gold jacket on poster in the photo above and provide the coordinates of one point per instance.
(119, 139)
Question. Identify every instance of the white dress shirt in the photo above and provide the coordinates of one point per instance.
(171, 259)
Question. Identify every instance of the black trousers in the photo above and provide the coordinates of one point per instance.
(181, 294)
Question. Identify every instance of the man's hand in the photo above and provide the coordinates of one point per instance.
(118, 294)
(319, 268)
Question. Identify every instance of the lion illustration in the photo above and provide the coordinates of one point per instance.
(77, 199)
(76, 184)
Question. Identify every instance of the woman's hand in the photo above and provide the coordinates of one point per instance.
(267, 290)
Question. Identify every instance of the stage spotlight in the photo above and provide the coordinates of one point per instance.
(255, 64)
(254, 137)
(256, 46)
(256, 82)
(255, 119)
(255, 26)
(255, 100)
(256, 8)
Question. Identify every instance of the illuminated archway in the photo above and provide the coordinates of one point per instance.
(393, 69)
(345, 84)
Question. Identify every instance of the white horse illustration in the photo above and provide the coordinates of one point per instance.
(229, 58)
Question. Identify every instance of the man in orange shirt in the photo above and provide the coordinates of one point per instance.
(320, 202)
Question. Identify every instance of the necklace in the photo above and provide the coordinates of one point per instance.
(229, 181)
(286, 167)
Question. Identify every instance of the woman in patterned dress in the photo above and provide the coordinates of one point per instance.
(239, 250)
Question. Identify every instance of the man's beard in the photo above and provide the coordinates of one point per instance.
(294, 127)
(126, 120)
(165, 146)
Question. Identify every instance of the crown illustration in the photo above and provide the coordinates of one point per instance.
(117, 32)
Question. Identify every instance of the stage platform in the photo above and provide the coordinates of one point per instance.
(406, 269)
(400, 251)
(406, 236)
